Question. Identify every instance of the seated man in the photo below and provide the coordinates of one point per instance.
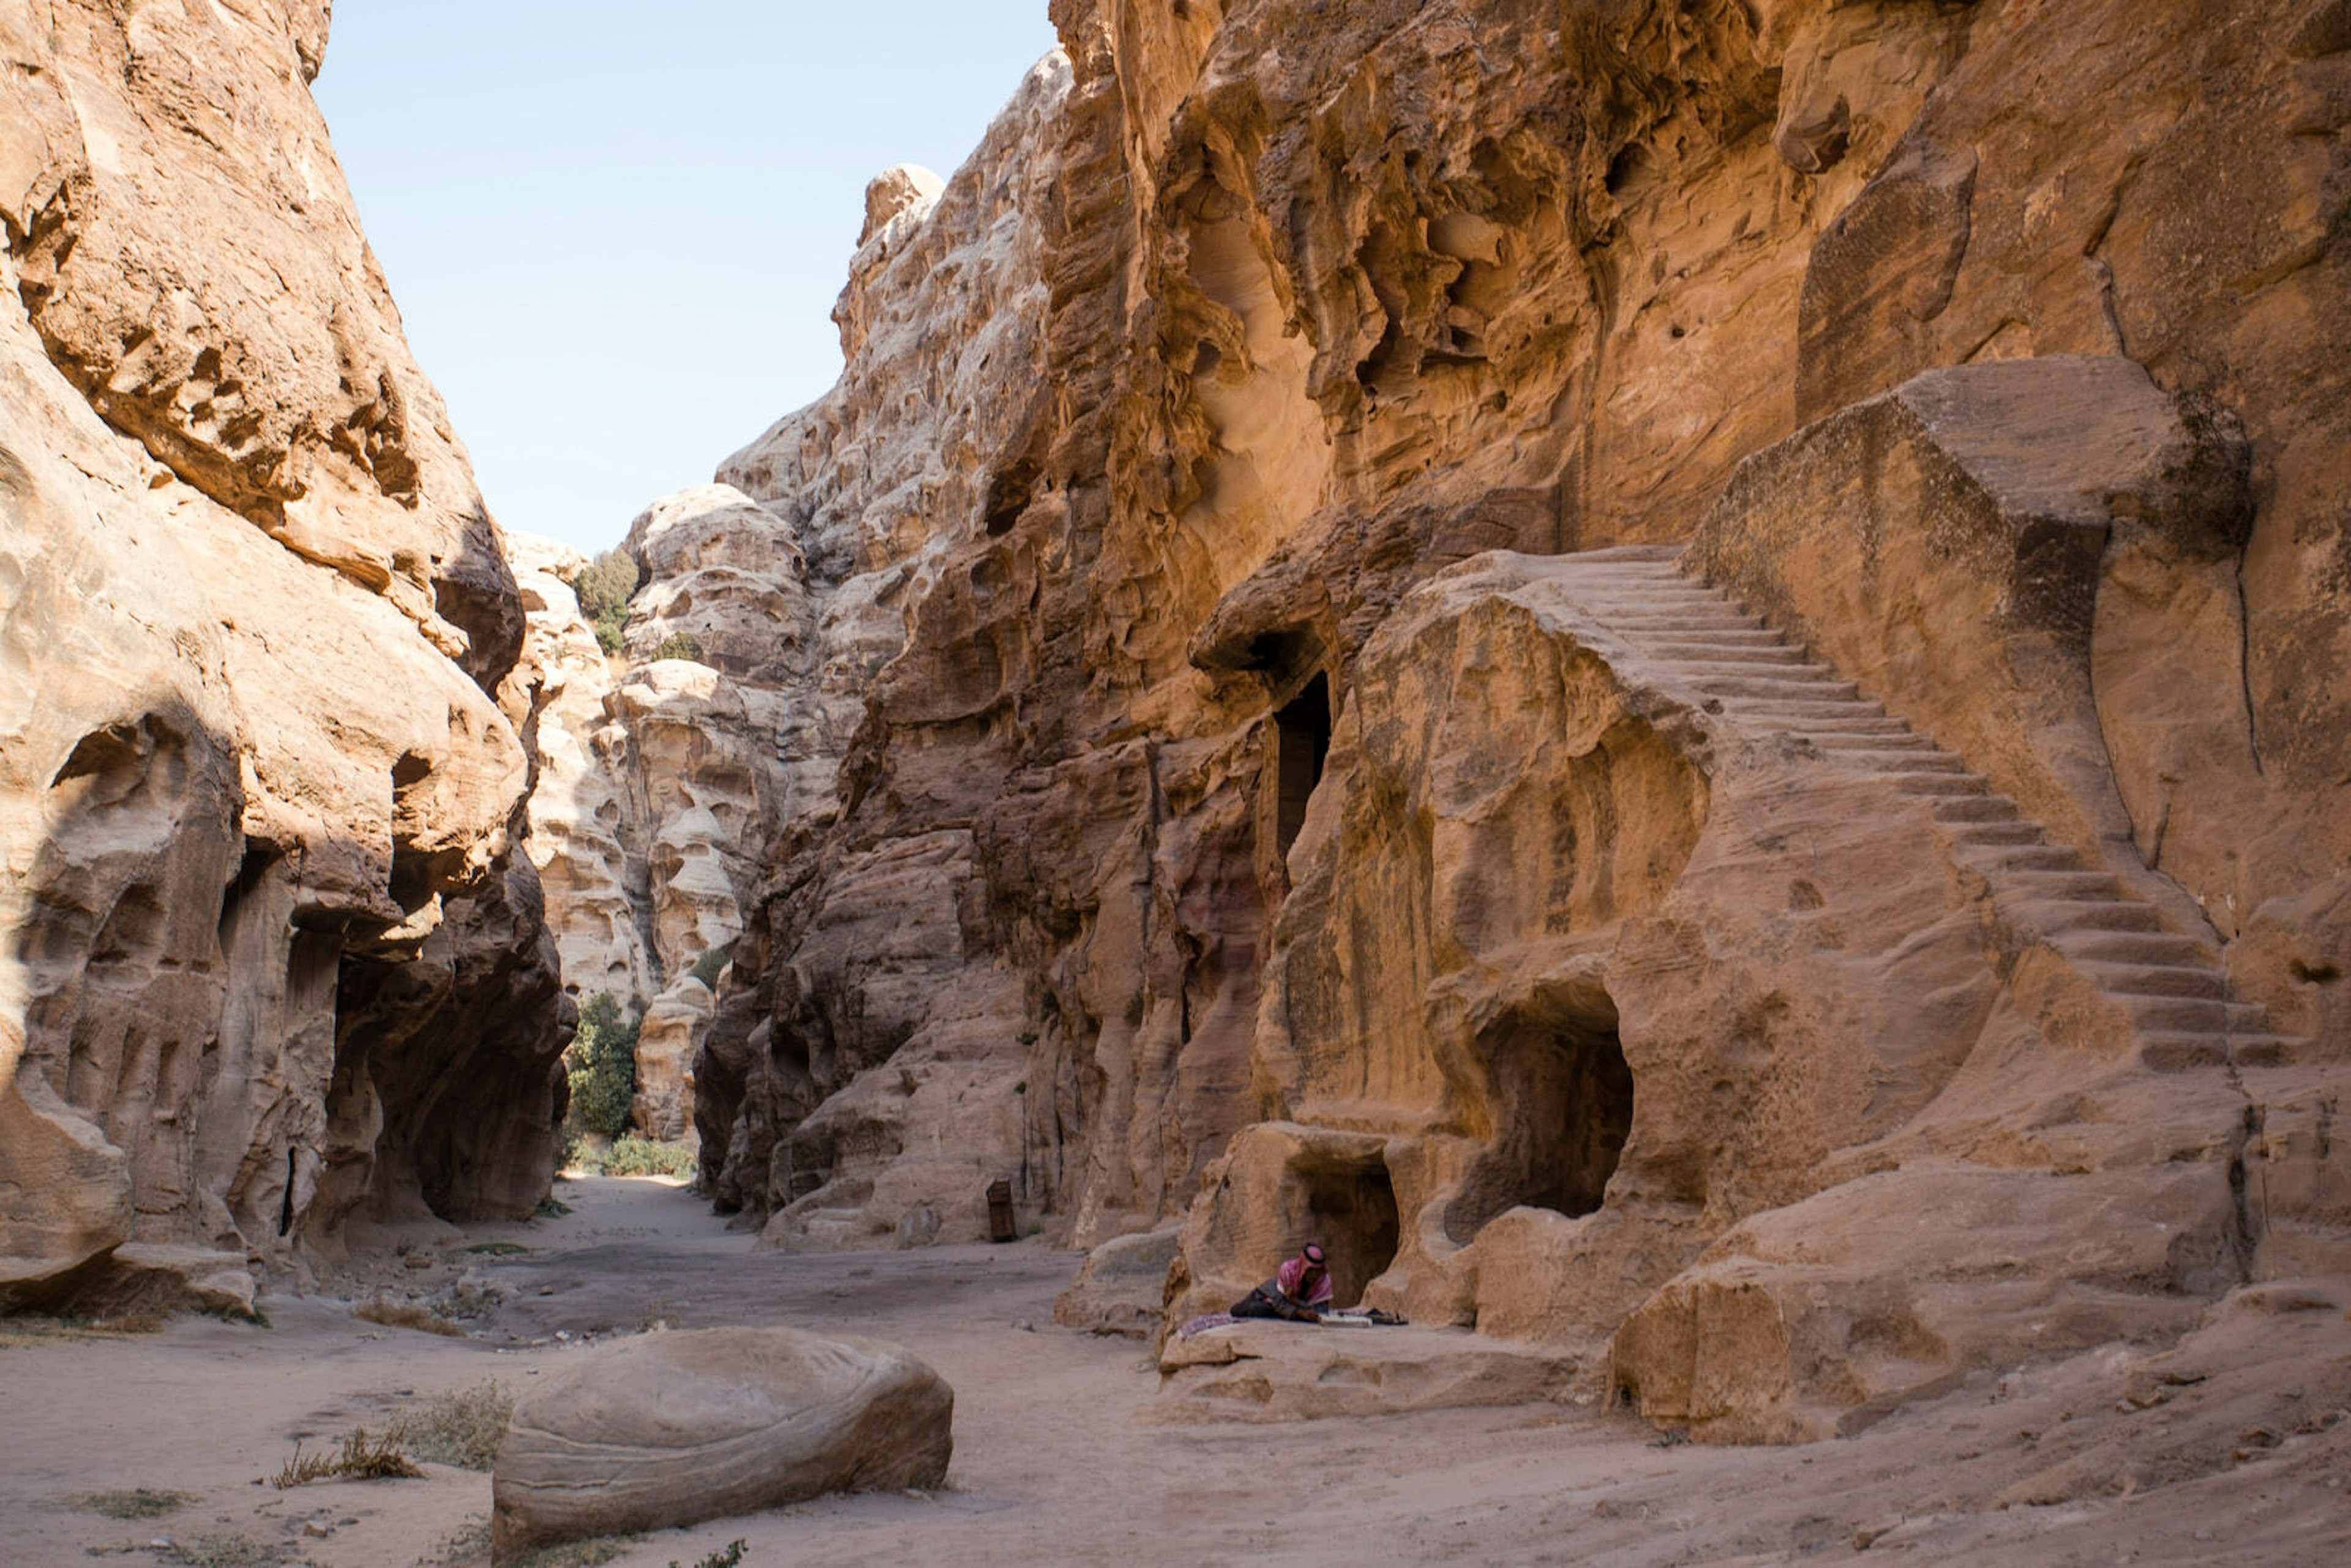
(1299, 1291)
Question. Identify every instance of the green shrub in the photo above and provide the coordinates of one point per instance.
(603, 586)
(605, 583)
(634, 1156)
(603, 1067)
(705, 968)
(679, 645)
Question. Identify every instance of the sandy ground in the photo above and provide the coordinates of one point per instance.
(2233, 1447)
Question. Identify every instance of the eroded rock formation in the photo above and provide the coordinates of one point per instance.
(1788, 970)
(580, 814)
(667, 773)
(268, 962)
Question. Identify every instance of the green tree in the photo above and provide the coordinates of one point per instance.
(602, 1065)
(603, 586)
(679, 645)
(705, 968)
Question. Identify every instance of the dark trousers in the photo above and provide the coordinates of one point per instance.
(1264, 1303)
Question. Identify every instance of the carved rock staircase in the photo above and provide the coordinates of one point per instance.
(2169, 985)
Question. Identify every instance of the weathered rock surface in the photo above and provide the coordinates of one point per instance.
(1122, 1286)
(1259, 1371)
(667, 1039)
(1579, 952)
(1720, 942)
(892, 1017)
(670, 1430)
(2035, 560)
(268, 961)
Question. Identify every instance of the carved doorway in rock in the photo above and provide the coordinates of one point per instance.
(1351, 1207)
(1301, 745)
(1561, 1109)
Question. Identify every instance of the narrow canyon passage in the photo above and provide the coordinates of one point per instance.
(1679, 675)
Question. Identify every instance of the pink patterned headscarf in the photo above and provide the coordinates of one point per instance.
(1291, 1278)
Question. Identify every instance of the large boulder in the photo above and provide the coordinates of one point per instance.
(674, 1428)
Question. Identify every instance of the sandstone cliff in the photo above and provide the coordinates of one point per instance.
(1641, 951)
(579, 820)
(268, 962)
(664, 778)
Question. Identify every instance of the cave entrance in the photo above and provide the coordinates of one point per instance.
(1351, 1207)
(1302, 743)
(1562, 1107)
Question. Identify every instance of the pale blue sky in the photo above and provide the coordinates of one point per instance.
(615, 228)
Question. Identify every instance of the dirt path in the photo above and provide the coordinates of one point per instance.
(2234, 1448)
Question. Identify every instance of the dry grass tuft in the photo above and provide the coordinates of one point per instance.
(395, 1314)
(24, 1331)
(139, 1502)
(469, 1542)
(728, 1556)
(577, 1554)
(362, 1457)
(465, 1302)
(463, 1428)
(225, 1551)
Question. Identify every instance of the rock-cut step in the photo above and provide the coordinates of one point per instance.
(2053, 916)
(2159, 979)
(2170, 986)
(2134, 948)
(1798, 687)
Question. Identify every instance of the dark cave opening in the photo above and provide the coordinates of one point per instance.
(1009, 491)
(1351, 1206)
(1562, 1109)
(1301, 744)
(285, 1206)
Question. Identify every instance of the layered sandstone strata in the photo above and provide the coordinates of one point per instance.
(268, 960)
(1176, 838)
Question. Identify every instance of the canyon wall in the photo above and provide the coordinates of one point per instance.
(269, 962)
(1188, 812)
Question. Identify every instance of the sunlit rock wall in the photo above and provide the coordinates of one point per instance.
(268, 961)
(580, 826)
(663, 783)
(1151, 833)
